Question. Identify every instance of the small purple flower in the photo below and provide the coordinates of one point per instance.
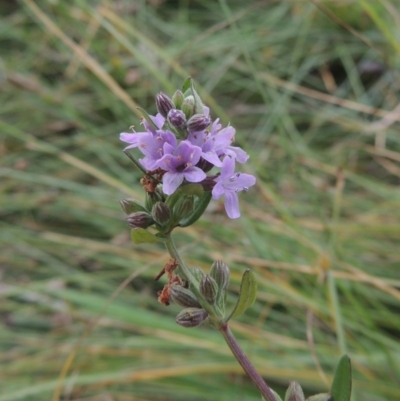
(213, 144)
(133, 138)
(152, 146)
(229, 184)
(233, 151)
(179, 164)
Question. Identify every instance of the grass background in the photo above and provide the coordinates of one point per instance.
(313, 91)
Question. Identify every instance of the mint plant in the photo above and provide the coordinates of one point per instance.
(187, 159)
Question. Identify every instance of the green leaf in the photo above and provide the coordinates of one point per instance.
(198, 105)
(247, 296)
(142, 236)
(320, 397)
(192, 189)
(187, 84)
(147, 117)
(200, 206)
(341, 386)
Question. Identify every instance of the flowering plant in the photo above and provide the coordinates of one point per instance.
(182, 151)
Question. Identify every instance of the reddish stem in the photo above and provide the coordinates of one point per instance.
(247, 366)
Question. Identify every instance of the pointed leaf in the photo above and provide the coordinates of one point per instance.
(187, 84)
(247, 296)
(341, 386)
(200, 206)
(147, 117)
(142, 236)
(198, 105)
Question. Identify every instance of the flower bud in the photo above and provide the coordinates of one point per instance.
(220, 273)
(198, 122)
(209, 289)
(178, 99)
(176, 118)
(131, 206)
(152, 198)
(183, 207)
(191, 317)
(139, 220)
(164, 104)
(183, 297)
(161, 214)
(294, 392)
(197, 273)
(188, 106)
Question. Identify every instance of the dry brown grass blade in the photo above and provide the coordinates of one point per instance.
(87, 60)
(349, 104)
(93, 27)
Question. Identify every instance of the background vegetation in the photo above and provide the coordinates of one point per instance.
(313, 90)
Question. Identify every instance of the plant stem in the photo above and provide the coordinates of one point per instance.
(247, 366)
(187, 275)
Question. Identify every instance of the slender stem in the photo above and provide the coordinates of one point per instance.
(187, 274)
(169, 243)
(247, 366)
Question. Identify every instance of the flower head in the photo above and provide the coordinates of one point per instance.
(182, 144)
(229, 184)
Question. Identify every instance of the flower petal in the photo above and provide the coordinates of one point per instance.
(158, 120)
(218, 190)
(238, 153)
(244, 180)
(132, 138)
(171, 182)
(228, 167)
(212, 158)
(194, 174)
(232, 205)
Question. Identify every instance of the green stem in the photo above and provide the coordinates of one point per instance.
(245, 363)
(187, 275)
(247, 366)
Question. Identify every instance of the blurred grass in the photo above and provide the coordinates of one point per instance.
(314, 94)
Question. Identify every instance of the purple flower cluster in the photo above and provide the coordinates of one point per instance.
(186, 146)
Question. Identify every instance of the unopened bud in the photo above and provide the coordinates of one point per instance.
(152, 198)
(183, 207)
(209, 288)
(188, 106)
(161, 213)
(220, 273)
(176, 118)
(178, 99)
(294, 392)
(197, 273)
(139, 220)
(183, 297)
(164, 104)
(131, 206)
(198, 122)
(191, 317)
